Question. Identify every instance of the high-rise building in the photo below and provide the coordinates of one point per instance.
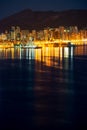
(18, 33)
(24, 34)
(12, 33)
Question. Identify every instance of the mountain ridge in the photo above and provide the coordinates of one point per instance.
(28, 19)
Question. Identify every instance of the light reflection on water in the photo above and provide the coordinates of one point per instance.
(39, 87)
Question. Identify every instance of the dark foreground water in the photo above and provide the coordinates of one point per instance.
(43, 88)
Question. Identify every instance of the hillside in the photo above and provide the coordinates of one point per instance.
(28, 19)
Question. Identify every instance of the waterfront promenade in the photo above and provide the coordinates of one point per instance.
(54, 43)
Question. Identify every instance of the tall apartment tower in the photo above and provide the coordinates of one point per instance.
(12, 33)
(18, 33)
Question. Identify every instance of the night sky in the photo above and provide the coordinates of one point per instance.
(8, 7)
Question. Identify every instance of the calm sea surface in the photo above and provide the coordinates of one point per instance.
(43, 88)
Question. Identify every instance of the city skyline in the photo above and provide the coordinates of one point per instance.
(43, 64)
(9, 7)
(48, 36)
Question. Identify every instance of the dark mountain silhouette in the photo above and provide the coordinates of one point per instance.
(28, 19)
